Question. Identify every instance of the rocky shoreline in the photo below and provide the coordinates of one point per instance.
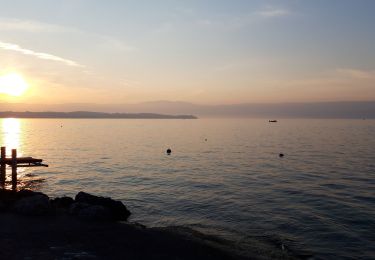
(84, 206)
(35, 226)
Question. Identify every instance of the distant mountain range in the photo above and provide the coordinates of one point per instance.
(349, 109)
(86, 114)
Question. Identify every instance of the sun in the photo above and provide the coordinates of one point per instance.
(12, 84)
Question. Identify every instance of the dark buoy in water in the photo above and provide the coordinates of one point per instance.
(205, 139)
(281, 155)
(169, 151)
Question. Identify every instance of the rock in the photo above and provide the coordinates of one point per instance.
(117, 209)
(7, 197)
(76, 207)
(3, 206)
(90, 212)
(62, 205)
(36, 205)
(28, 193)
(95, 212)
(63, 202)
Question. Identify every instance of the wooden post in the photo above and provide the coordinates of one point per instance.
(2, 167)
(14, 169)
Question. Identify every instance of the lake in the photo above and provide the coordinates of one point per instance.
(224, 176)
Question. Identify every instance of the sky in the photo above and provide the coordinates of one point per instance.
(199, 51)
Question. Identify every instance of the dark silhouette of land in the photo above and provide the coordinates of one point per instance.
(87, 114)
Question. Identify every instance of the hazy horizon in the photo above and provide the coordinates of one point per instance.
(347, 109)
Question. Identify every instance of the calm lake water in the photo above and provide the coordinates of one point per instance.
(224, 176)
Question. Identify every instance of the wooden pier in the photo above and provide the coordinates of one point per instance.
(15, 163)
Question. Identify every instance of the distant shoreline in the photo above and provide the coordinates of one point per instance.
(91, 115)
(342, 110)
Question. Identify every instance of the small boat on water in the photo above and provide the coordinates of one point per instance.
(272, 121)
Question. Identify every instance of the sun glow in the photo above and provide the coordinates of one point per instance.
(12, 84)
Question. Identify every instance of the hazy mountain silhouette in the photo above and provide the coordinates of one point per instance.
(87, 114)
(355, 109)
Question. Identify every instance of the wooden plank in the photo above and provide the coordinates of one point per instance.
(14, 169)
(2, 167)
(21, 160)
(32, 165)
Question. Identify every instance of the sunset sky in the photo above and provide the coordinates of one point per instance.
(200, 51)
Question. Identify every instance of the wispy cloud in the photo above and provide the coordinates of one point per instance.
(163, 28)
(7, 24)
(356, 74)
(116, 44)
(273, 12)
(245, 19)
(130, 83)
(341, 79)
(34, 26)
(40, 55)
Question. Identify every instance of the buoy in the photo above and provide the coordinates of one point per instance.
(205, 139)
(281, 155)
(169, 151)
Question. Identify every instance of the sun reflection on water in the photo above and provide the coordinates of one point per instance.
(11, 132)
(11, 138)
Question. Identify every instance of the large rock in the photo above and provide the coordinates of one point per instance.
(95, 212)
(62, 202)
(28, 193)
(10, 196)
(62, 205)
(90, 212)
(117, 209)
(76, 207)
(36, 205)
(7, 198)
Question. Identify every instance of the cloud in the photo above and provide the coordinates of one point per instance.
(163, 28)
(340, 81)
(243, 20)
(129, 82)
(356, 74)
(115, 44)
(31, 26)
(40, 55)
(273, 13)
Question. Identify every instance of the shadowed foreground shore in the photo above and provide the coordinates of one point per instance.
(65, 237)
(36, 227)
